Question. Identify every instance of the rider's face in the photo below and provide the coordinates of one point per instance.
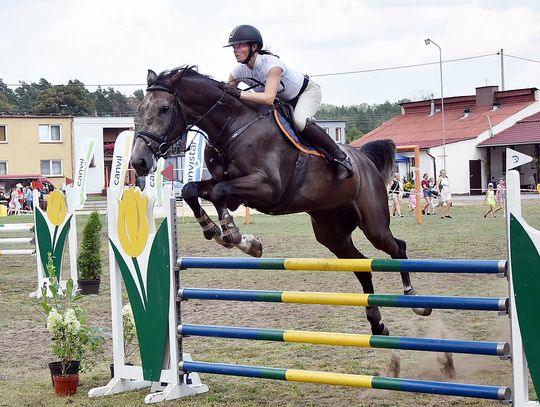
(241, 51)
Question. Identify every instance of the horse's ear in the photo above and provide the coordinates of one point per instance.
(151, 78)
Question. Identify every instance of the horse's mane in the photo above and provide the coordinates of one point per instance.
(168, 74)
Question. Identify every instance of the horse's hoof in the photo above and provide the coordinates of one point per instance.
(383, 330)
(251, 245)
(424, 312)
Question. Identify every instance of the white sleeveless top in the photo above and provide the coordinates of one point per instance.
(292, 80)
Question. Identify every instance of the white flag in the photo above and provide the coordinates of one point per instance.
(80, 178)
(194, 159)
(154, 183)
(515, 159)
(120, 162)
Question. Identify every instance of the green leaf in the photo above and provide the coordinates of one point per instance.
(59, 248)
(43, 237)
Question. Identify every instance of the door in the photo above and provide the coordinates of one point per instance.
(475, 177)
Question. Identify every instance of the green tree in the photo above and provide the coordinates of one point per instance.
(72, 98)
(8, 98)
(110, 102)
(28, 93)
(5, 106)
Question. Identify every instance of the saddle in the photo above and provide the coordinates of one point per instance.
(283, 115)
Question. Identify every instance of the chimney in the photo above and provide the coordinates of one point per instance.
(485, 95)
(466, 112)
(432, 112)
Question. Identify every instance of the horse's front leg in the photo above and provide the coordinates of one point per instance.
(250, 187)
(191, 192)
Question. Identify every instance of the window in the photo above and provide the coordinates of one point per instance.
(50, 132)
(327, 130)
(3, 133)
(3, 167)
(338, 134)
(51, 167)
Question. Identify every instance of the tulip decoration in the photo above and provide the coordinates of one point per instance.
(52, 228)
(143, 257)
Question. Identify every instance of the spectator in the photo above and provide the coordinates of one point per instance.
(500, 196)
(28, 198)
(489, 200)
(396, 194)
(426, 192)
(412, 201)
(445, 196)
(14, 204)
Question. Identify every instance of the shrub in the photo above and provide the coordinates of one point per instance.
(89, 257)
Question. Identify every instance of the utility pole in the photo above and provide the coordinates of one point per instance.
(502, 69)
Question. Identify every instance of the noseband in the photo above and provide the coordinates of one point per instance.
(166, 140)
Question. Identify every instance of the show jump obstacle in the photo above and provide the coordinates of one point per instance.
(144, 256)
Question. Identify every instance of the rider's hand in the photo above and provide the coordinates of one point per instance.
(231, 90)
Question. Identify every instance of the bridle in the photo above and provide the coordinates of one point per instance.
(165, 141)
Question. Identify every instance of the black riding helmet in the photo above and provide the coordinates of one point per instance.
(246, 33)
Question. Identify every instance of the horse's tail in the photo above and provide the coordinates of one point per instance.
(383, 154)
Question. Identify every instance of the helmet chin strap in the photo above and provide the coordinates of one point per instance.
(251, 52)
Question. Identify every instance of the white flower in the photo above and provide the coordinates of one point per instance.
(54, 321)
(71, 322)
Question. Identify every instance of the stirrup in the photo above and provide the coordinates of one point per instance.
(344, 169)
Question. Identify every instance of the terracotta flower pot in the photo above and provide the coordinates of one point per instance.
(56, 368)
(66, 385)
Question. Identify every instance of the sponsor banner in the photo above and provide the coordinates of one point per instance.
(80, 177)
(120, 162)
(194, 158)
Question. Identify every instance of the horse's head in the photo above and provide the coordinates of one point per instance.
(162, 120)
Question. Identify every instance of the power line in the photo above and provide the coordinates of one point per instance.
(523, 59)
(401, 66)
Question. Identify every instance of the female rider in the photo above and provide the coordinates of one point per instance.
(276, 80)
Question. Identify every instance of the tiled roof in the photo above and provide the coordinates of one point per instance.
(417, 126)
(526, 131)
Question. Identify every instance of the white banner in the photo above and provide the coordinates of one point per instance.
(120, 162)
(154, 183)
(515, 159)
(194, 158)
(80, 178)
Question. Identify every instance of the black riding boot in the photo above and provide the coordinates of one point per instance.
(322, 141)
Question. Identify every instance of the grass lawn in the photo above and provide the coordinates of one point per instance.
(24, 340)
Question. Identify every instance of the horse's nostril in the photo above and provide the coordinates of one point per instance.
(140, 165)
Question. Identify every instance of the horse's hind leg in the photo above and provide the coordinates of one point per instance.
(333, 230)
(381, 237)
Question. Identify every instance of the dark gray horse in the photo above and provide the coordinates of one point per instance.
(252, 164)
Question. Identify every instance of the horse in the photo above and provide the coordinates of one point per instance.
(252, 164)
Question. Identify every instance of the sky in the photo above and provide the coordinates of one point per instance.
(115, 42)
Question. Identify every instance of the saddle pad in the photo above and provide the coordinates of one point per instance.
(289, 133)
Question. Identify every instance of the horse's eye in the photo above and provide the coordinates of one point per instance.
(163, 109)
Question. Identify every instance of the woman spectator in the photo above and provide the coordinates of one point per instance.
(396, 194)
(445, 196)
(428, 195)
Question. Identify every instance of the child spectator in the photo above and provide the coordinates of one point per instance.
(412, 201)
(489, 200)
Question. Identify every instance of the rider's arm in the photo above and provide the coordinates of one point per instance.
(270, 89)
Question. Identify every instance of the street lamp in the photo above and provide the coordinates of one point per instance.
(427, 42)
